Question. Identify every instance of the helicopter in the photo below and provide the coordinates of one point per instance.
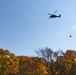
(53, 15)
(56, 16)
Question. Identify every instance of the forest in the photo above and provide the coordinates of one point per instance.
(47, 62)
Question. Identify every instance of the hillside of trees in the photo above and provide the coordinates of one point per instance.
(47, 62)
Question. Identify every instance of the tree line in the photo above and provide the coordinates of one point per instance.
(47, 62)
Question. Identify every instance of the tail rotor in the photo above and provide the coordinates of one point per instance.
(59, 16)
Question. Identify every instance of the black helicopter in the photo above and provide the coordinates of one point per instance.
(53, 15)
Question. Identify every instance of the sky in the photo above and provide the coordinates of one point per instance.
(25, 27)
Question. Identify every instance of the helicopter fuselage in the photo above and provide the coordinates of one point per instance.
(54, 16)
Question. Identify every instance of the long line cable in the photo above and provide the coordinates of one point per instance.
(64, 29)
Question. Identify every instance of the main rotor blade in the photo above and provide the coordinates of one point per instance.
(49, 14)
(55, 12)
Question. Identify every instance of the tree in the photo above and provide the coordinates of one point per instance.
(69, 62)
(31, 66)
(52, 59)
(24, 65)
(40, 65)
(8, 63)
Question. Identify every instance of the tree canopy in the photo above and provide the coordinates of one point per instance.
(47, 62)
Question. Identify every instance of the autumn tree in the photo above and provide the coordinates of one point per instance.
(69, 62)
(52, 59)
(31, 66)
(25, 65)
(40, 63)
(48, 62)
(8, 63)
